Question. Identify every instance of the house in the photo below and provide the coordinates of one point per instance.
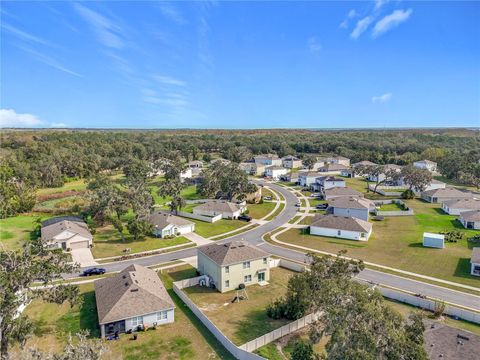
(195, 164)
(332, 168)
(446, 342)
(307, 178)
(275, 172)
(444, 194)
(316, 165)
(355, 207)
(426, 164)
(290, 177)
(457, 206)
(475, 261)
(363, 163)
(381, 177)
(470, 219)
(227, 209)
(268, 160)
(220, 160)
(338, 192)
(65, 232)
(434, 184)
(341, 227)
(231, 264)
(134, 298)
(339, 160)
(291, 162)
(433, 240)
(252, 168)
(165, 224)
(327, 182)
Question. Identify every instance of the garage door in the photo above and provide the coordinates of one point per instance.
(79, 245)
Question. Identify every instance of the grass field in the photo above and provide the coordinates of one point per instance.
(268, 192)
(258, 211)
(72, 185)
(184, 339)
(390, 207)
(245, 320)
(221, 226)
(107, 242)
(397, 242)
(15, 230)
(188, 193)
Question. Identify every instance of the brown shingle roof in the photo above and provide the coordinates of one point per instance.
(351, 203)
(55, 226)
(342, 191)
(218, 205)
(473, 215)
(135, 291)
(341, 223)
(333, 167)
(161, 220)
(232, 252)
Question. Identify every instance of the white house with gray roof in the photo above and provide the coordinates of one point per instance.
(133, 299)
(268, 159)
(231, 264)
(355, 207)
(65, 232)
(426, 164)
(475, 262)
(341, 227)
(228, 210)
(470, 219)
(444, 194)
(457, 206)
(327, 182)
(275, 172)
(166, 224)
(338, 192)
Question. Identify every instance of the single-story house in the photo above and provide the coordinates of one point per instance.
(426, 164)
(307, 178)
(433, 240)
(165, 224)
(339, 160)
(65, 232)
(275, 172)
(197, 164)
(381, 176)
(132, 299)
(332, 168)
(338, 192)
(341, 227)
(444, 194)
(252, 168)
(212, 208)
(470, 219)
(434, 184)
(363, 163)
(234, 263)
(291, 162)
(327, 182)
(268, 160)
(359, 208)
(457, 206)
(475, 261)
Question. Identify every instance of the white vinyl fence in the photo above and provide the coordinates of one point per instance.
(392, 213)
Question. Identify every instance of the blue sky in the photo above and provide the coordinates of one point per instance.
(240, 64)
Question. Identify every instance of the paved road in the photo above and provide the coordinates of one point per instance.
(254, 236)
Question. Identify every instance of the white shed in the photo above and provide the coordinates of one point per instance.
(433, 240)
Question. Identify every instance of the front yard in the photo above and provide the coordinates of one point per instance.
(221, 226)
(245, 320)
(184, 339)
(258, 211)
(397, 242)
(107, 242)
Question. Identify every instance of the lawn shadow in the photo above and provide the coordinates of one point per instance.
(197, 289)
(255, 323)
(463, 268)
(88, 314)
(183, 274)
(347, 243)
(418, 245)
(439, 211)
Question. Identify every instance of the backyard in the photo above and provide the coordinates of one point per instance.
(221, 226)
(245, 320)
(397, 242)
(186, 338)
(15, 230)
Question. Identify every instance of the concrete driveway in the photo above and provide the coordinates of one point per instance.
(83, 257)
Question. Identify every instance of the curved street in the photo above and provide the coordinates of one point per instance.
(254, 236)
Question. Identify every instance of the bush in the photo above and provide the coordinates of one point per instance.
(474, 239)
(302, 350)
(276, 309)
(408, 194)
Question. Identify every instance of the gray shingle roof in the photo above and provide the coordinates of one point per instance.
(468, 203)
(341, 223)
(473, 215)
(364, 163)
(232, 252)
(342, 191)
(55, 226)
(333, 167)
(219, 205)
(447, 192)
(162, 219)
(135, 291)
(350, 202)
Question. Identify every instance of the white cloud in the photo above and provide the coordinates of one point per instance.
(390, 21)
(382, 98)
(50, 61)
(361, 26)
(9, 118)
(352, 13)
(172, 13)
(313, 44)
(108, 33)
(168, 80)
(25, 36)
(58, 125)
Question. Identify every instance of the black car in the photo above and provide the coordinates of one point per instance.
(93, 271)
(244, 218)
(321, 206)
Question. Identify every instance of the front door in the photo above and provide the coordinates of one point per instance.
(261, 276)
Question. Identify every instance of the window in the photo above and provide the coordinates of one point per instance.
(246, 265)
(362, 235)
(162, 315)
(247, 278)
(227, 269)
(265, 260)
(227, 283)
(137, 320)
(339, 233)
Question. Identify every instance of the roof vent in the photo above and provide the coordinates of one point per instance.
(134, 290)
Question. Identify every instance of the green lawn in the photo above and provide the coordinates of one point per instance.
(62, 203)
(307, 220)
(278, 211)
(397, 242)
(107, 243)
(268, 192)
(258, 211)
(314, 202)
(390, 207)
(72, 185)
(188, 193)
(221, 226)
(184, 339)
(245, 320)
(15, 230)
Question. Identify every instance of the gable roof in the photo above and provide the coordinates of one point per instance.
(329, 178)
(447, 192)
(341, 223)
(333, 167)
(162, 219)
(274, 167)
(55, 226)
(310, 174)
(473, 215)
(135, 291)
(466, 203)
(342, 191)
(232, 252)
(290, 158)
(364, 163)
(475, 255)
(350, 202)
(218, 205)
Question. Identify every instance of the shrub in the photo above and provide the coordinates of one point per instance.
(474, 239)
(302, 350)
(276, 309)
(408, 194)
(439, 309)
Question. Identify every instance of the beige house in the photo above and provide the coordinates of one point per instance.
(234, 263)
(332, 169)
(291, 162)
(227, 209)
(134, 298)
(65, 232)
(252, 168)
(165, 224)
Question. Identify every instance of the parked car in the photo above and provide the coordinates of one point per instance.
(245, 218)
(93, 271)
(298, 205)
(321, 206)
(267, 198)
